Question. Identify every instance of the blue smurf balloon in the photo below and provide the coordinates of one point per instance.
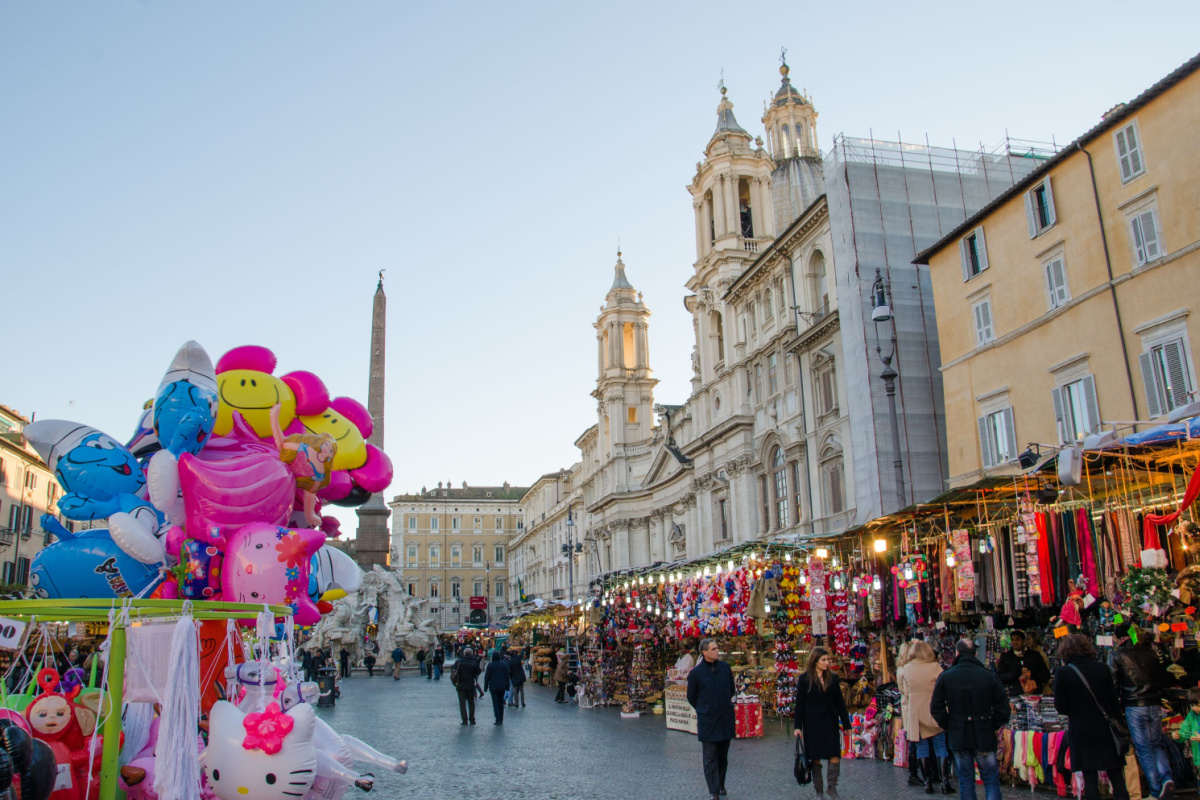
(185, 407)
(88, 564)
(93, 468)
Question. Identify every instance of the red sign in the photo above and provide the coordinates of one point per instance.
(479, 602)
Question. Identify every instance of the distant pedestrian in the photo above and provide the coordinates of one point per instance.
(560, 677)
(465, 677)
(344, 659)
(496, 680)
(710, 691)
(439, 660)
(820, 717)
(369, 663)
(916, 680)
(306, 664)
(421, 660)
(516, 674)
(398, 658)
(971, 704)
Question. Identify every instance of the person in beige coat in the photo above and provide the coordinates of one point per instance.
(903, 656)
(916, 683)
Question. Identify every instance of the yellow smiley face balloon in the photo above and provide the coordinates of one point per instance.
(351, 447)
(252, 394)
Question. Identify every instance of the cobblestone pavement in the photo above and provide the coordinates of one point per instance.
(555, 752)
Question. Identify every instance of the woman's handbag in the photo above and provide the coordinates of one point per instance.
(803, 768)
(1117, 727)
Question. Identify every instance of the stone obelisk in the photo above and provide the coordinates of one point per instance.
(374, 541)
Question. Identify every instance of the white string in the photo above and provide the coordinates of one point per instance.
(101, 718)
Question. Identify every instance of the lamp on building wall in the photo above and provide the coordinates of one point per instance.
(881, 295)
(570, 549)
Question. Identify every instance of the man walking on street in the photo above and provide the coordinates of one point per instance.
(516, 674)
(710, 691)
(344, 660)
(496, 681)
(439, 659)
(421, 660)
(398, 658)
(970, 704)
(465, 677)
(1141, 678)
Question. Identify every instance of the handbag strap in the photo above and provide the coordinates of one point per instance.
(1095, 699)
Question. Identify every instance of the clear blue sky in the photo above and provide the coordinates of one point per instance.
(238, 173)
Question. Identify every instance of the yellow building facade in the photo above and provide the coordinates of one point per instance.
(452, 544)
(1070, 306)
(27, 490)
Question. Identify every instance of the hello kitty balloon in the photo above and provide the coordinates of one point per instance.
(267, 755)
(269, 564)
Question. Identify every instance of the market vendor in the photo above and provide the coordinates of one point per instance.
(686, 661)
(1021, 670)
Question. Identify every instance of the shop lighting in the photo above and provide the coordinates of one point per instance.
(731, 565)
(641, 581)
(699, 574)
(875, 584)
(706, 571)
(754, 556)
(908, 573)
(880, 545)
(681, 617)
(837, 584)
(627, 586)
(834, 561)
(950, 562)
(787, 556)
(662, 579)
(638, 605)
(718, 569)
(767, 607)
(803, 579)
(822, 552)
(727, 599)
(983, 545)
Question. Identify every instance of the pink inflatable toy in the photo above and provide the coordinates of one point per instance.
(270, 564)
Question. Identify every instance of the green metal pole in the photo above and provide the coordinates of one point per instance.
(112, 725)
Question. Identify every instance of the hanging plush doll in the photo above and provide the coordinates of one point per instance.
(1073, 607)
(53, 718)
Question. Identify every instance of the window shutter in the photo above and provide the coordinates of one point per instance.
(1131, 143)
(1146, 362)
(1031, 214)
(837, 498)
(1149, 235)
(1012, 433)
(965, 257)
(1093, 405)
(1059, 416)
(1050, 217)
(985, 314)
(1173, 355)
(1123, 156)
(985, 442)
(982, 246)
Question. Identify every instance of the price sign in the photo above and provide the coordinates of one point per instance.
(11, 633)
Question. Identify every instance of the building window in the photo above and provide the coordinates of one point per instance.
(499, 590)
(781, 297)
(998, 437)
(455, 523)
(14, 518)
(499, 553)
(1129, 152)
(825, 386)
(412, 555)
(833, 479)
(30, 480)
(1165, 376)
(796, 490)
(22, 570)
(412, 523)
(434, 523)
(455, 554)
(758, 396)
(779, 473)
(455, 589)
(773, 373)
(766, 504)
(984, 331)
(478, 523)
(751, 315)
(435, 555)
(477, 589)
(631, 415)
(723, 517)
(477, 554)
(973, 251)
(3, 474)
(9, 569)
(768, 306)
(499, 523)
(1144, 230)
(1057, 290)
(412, 589)
(1039, 208)
(1076, 410)
(434, 589)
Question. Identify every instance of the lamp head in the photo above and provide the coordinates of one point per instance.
(883, 310)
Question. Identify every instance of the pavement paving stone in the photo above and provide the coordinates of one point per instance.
(555, 752)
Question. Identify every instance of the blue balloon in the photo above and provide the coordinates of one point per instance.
(185, 408)
(88, 564)
(94, 469)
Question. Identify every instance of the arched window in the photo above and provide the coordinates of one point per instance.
(435, 589)
(718, 327)
(833, 477)
(820, 280)
(779, 476)
(456, 588)
(784, 144)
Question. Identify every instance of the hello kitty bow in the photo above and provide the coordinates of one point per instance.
(267, 729)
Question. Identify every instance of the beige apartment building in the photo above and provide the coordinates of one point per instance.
(451, 548)
(27, 490)
(538, 563)
(1064, 307)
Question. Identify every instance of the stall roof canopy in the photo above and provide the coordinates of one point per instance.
(1185, 430)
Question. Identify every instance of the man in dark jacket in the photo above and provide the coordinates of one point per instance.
(439, 658)
(516, 674)
(970, 704)
(398, 658)
(344, 660)
(306, 663)
(1021, 662)
(496, 680)
(1141, 678)
(467, 671)
(421, 660)
(710, 691)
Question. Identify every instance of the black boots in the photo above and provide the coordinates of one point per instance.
(914, 777)
(930, 765)
(946, 787)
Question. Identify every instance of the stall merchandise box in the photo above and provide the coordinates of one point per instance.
(748, 718)
(680, 714)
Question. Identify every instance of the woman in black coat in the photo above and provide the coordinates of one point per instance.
(1088, 733)
(496, 679)
(820, 717)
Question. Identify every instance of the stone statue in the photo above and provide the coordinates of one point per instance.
(381, 600)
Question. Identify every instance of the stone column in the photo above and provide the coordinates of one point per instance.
(732, 209)
(698, 210)
(718, 193)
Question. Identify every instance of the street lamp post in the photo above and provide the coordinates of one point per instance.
(881, 293)
(570, 549)
(487, 593)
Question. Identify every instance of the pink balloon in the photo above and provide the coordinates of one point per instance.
(376, 474)
(339, 486)
(248, 356)
(311, 395)
(270, 564)
(255, 487)
(354, 411)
